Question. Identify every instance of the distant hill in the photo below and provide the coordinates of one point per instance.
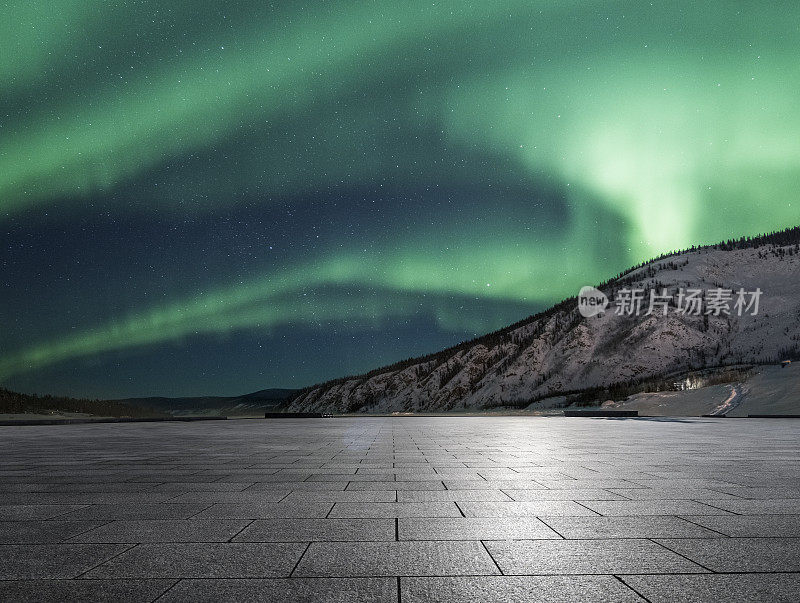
(271, 394)
(558, 352)
(17, 404)
(254, 403)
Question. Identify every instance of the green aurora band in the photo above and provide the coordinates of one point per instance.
(677, 123)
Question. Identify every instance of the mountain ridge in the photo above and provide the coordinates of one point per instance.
(514, 364)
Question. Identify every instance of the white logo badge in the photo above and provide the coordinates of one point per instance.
(591, 302)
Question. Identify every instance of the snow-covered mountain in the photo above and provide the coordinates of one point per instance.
(559, 351)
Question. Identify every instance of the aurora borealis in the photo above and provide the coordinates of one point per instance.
(214, 198)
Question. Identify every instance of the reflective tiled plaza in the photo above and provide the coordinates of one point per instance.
(402, 509)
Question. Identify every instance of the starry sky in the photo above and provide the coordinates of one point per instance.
(219, 197)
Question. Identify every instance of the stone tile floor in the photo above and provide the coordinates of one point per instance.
(402, 509)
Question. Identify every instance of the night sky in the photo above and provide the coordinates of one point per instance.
(219, 197)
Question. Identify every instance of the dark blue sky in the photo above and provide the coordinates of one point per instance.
(219, 199)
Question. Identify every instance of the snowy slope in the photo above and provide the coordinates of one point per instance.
(560, 351)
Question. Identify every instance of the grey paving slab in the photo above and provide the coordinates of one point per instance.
(53, 486)
(587, 557)
(396, 559)
(209, 498)
(31, 512)
(232, 471)
(301, 486)
(392, 485)
(587, 483)
(671, 494)
(451, 495)
(46, 481)
(778, 506)
(294, 590)
(473, 528)
(524, 509)
(51, 561)
(780, 491)
(156, 479)
(482, 484)
(681, 482)
(740, 554)
(495, 473)
(359, 496)
(79, 499)
(755, 526)
(565, 494)
(356, 510)
(458, 473)
(308, 530)
(656, 526)
(278, 478)
(652, 507)
(264, 510)
(557, 472)
(37, 532)
(86, 591)
(713, 588)
(134, 511)
(176, 487)
(229, 560)
(333, 467)
(164, 530)
(411, 470)
(355, 477)
(516, 589)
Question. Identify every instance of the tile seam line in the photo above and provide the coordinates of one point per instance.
(247, 525)
(130, 548)
(70, 539)
(81, 507)
(715, 507)
(161, 596)
(716, 489)
(203, 510)
(683, 518)
(681, 555)
(296, 565)
(588, 508)
(488, 552)
(552, 528)
(629, 587)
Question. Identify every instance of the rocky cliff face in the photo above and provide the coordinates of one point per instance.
(560, 351)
